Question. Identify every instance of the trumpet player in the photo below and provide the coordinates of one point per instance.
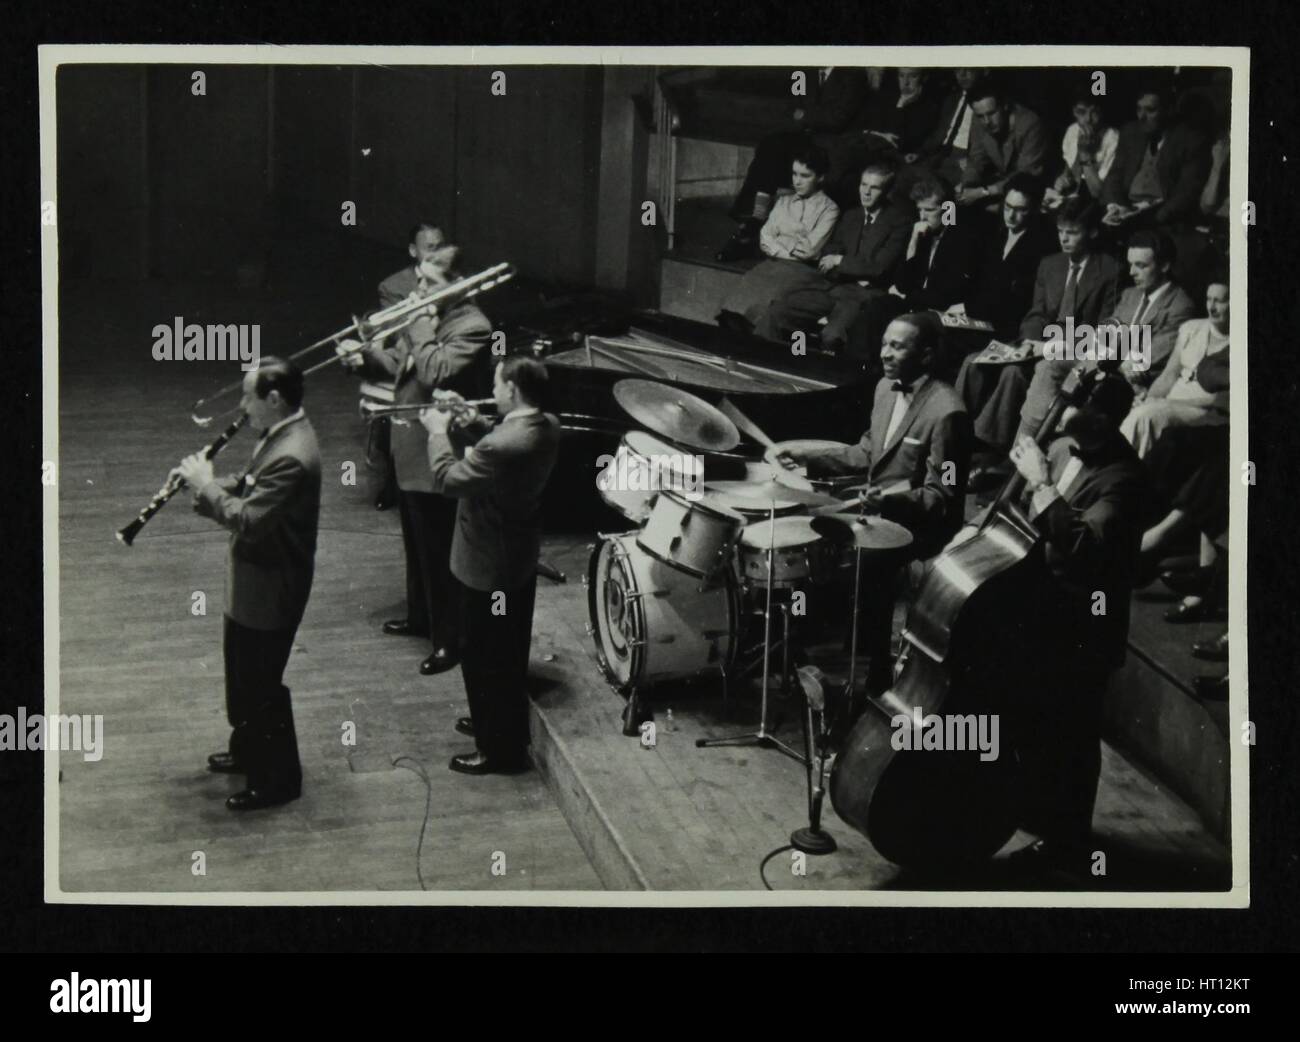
(498, 482)
(435, 352)
(271, 511)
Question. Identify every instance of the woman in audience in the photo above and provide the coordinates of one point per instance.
(792, 238)
(1180, 397)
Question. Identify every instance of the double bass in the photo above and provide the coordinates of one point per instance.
(968, 643)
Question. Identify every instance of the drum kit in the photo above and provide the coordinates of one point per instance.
(671, 598)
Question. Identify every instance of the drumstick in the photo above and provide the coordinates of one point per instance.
(744, 423)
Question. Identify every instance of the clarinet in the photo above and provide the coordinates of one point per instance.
(174, 484)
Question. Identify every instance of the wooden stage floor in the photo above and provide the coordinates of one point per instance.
(602, 813)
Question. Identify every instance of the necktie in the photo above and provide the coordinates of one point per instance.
(956, 122)
(901, 388)
(1146, 302)
(1070, 298)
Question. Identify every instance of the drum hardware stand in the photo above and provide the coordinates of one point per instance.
(762, 737)
(811, 839)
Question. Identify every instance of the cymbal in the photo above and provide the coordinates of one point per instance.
(770, 492)
(866, 533)
(677, 415)
(780, 534)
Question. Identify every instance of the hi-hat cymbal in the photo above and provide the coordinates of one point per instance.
(771, 493)
(866, 533)
(677, 415)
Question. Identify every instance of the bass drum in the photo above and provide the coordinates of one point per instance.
(652, 622)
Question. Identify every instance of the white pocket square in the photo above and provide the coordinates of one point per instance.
(912, 441)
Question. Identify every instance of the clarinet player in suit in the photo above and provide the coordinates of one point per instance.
(498, 482)
(271, 511)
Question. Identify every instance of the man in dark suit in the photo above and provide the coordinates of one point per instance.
(1153, 305)
(1160, 166)
(944, 151)
(424, 244)
(915, 455)
(1078, 283)
(498, 484)
(1002, 289)
(271, 510)
(1086, 498)
(436, 352)
(858, 265)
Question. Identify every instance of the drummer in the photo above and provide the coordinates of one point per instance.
(914, 459)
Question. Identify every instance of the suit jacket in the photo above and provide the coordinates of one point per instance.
(833, 105)
(1025, 149)
(933, 146)
(425, 359)
(872, 253)
(398, 286)
(935, 431)
(946, 279)
(499, 482)
(913, 123)
(1167, 312)
(1002, 290)
(1093, 536)
(271, 511)
(1182, 166)
(1094, 298)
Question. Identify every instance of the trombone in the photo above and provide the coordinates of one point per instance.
(465, 411)
(378, 325)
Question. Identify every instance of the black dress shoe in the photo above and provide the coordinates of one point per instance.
(984, 479)
(1045, 856)
(384, 501)
(440, 661)
(1215, 650)
(225, 763)
(465, 725)
(1202, 612)
(477, 763)
(1189, 584)
(403, 628)
(1212, 689)
(256, 799)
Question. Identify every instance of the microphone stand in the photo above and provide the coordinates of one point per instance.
(811, 839)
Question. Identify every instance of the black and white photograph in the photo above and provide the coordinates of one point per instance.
(746, 476)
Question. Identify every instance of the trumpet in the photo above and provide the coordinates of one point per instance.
(379, 325)
(126, 536)
(465, 411)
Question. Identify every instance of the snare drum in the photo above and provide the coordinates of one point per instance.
(652, 622)
(697, 537)
(800, 556)
(642, 466)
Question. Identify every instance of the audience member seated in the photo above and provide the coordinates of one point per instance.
(1160, 167)
(1079, 283)
(792, 239)
(1179, 397)
(837, 97)
(899, 132)
(944, 151)
(1153, 308)
(1006, 139)
(1002, 288)
(1189, 471)
(1088, 150)
(858, 266)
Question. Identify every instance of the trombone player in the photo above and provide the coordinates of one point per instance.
(435, 352)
